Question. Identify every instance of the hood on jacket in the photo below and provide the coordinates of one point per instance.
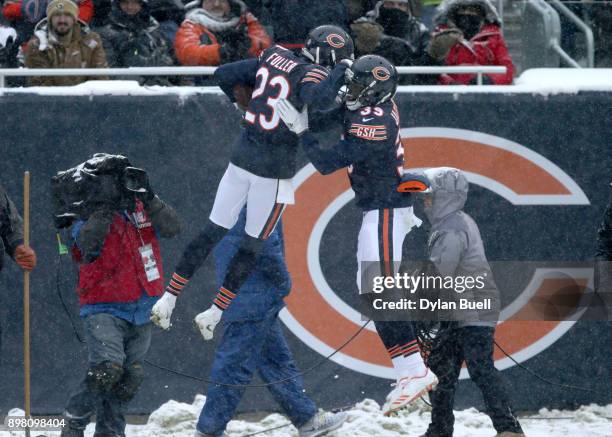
(140, 20)
(47, 38)
(448, 189)
(196, 14)
(447, 9)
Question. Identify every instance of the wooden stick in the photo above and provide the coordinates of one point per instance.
(26, 299)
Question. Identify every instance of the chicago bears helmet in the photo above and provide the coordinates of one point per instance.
(327, 45)
(371, 80)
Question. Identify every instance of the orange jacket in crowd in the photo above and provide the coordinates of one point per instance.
(487, 47)
(191, 50)
(12, 10)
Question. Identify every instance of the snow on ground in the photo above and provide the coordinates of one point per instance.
(176, 419)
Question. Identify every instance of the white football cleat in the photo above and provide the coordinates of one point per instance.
(408, 390)
(322, 423)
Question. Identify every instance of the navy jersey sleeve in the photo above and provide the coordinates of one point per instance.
(363, 137)
(236, 73)
(318, 88)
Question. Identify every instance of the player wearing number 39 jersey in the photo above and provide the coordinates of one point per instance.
(371, 150)
(263, 160)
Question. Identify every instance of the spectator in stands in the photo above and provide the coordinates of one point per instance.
(601, 21)
(218, 32)
(293, 19)
(168, 13)
(61, 41)
(8, 47)
(23, 15)
(392, 31)
(133, 38)
(478, 42)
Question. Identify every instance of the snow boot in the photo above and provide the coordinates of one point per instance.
(322, 423)
(408, 390)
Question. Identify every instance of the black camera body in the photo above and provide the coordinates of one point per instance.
(97, 183)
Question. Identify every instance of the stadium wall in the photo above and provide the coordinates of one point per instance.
(539, 167)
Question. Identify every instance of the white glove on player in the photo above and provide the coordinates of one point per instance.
(296, 121)
(207, 321)
(162, 310)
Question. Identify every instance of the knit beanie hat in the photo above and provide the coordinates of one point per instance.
(62, 6)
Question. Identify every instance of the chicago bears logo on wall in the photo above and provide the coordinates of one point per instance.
(335, 40)
(324, 321)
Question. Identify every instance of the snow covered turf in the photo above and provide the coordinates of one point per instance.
(176, 419)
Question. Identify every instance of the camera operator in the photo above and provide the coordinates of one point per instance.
(120, 278)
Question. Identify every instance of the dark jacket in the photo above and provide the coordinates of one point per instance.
(402, 45)
(134, 41)
(107, 250)
(11, 226)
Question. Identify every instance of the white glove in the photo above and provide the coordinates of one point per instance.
(207, 321)
(296, 121)
(162, 310)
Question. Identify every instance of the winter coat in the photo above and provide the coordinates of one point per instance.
(293, 19)
(85, 50)
(487, 47)
(11, 226)
(603, 258)
(107, 248)
(9, 47)
(263, 292)
(405, 50)
(204, 40)
(134, 41)
(455, 246)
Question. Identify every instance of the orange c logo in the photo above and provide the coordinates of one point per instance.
(335, 40)
(381, 73)
(323, 321)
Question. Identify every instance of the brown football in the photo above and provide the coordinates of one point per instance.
(242, 94)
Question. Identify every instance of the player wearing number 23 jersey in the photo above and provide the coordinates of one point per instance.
(263, 160)
(265, 146)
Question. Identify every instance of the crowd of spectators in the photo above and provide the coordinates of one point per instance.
(146, 33)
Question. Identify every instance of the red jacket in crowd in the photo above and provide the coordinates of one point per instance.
(118, 274)
(12, 10)
(487, 47)
(190, 49)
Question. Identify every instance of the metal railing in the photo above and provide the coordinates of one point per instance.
(479, 70)
(588, 34)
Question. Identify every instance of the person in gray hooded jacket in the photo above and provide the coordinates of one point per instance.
(455, 249)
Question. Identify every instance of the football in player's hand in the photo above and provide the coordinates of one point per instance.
(242, 94)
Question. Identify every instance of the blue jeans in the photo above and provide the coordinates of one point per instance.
(247, 347)
(108, 338)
